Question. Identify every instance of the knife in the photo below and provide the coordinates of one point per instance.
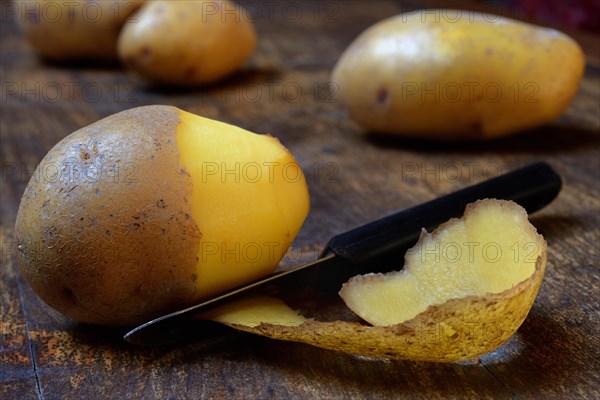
(378, 246)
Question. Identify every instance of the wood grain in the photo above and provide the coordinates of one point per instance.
(354, 176)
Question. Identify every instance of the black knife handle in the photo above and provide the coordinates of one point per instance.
(380, 246)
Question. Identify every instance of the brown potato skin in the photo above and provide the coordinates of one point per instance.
(131, 199)
(187, 42)
(81, 30)
(420, 75)
(456, 330)
(426, 337)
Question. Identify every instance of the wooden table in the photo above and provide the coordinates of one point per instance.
(353, 177)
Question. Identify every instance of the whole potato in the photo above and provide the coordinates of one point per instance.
(454, 74)
(75, 30)
(152, 209)
(187, 42)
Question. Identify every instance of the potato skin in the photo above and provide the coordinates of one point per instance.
(82, 30)
(131, 199)
(450, 332)
(456, 330)
(451, 74)
(187, 42)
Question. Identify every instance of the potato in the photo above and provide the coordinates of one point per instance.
(153, 209)
(451, 74)
(75, 30)
(187, 42)
(464, 290)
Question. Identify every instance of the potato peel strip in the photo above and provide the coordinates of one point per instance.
(458, 329)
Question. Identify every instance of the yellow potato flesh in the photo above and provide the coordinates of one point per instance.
(249, 200)
(490, 252)
(479, 310)
(256, 310)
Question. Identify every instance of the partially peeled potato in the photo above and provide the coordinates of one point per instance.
(441, 307)
(154, 209)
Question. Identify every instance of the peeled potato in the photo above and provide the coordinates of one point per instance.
(452, 74)
(152, 209)
(445, 305)
(75, 30)
(187, 42)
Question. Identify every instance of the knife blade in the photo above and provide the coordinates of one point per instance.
(378, 246)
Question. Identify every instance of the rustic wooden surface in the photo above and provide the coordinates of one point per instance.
(353, 177)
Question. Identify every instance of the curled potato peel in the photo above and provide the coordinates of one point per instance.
(458, 328)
